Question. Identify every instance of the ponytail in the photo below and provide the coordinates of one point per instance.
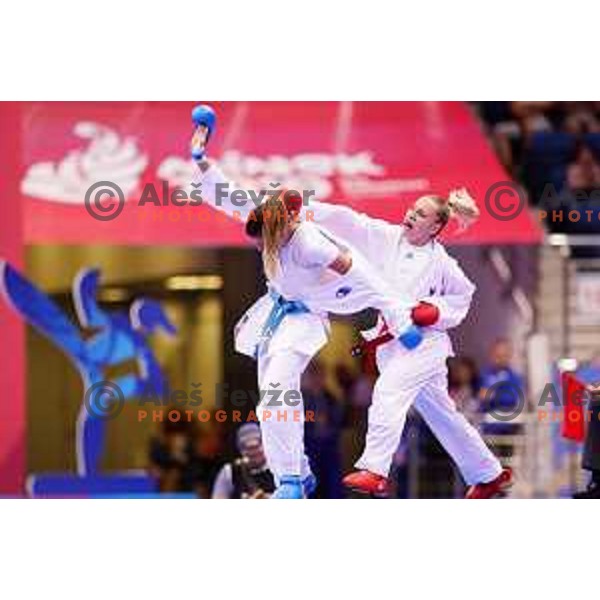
(459, 206)
(462, 207)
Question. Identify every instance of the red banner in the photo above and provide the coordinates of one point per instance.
(374, 156)
(12, 336)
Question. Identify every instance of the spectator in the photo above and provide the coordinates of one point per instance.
(203, 462)
(580, 118)
(583, 174)
(323, 435)
(356, 395)
(247, 476)
(169, 454)
(501, 385)
(590, 374)
(463, 387)
(591, 450)
(519, 121)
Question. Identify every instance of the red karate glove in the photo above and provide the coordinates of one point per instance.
(425, 314)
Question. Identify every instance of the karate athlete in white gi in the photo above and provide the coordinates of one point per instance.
(409, 257)
(310, 274)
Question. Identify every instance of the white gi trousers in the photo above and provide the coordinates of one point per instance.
(280, 367)
(420, 377)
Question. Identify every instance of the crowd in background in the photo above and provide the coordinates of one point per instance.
(189, 458)
(185, 457)
(553, 149)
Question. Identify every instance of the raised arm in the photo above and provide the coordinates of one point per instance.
(374, 238)
(222, 194)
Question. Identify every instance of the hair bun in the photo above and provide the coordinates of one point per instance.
(463, 207)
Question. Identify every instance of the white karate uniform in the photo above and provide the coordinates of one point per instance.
(302, 276)
(425, 273)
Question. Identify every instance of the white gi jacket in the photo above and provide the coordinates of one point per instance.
(439, 280)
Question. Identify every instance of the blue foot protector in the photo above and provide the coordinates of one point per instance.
(290, 488)
(309, 485)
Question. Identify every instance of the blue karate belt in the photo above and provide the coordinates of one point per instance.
(281, 308)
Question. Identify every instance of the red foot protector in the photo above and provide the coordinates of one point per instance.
(486, 491)
(367, 482)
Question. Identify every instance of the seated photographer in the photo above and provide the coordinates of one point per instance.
(246, 477)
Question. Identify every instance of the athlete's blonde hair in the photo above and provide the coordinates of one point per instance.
(459, 205)
(277, 212)
(273, 232)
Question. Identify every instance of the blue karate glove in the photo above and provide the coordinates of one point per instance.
(205, 121)
(411, 337)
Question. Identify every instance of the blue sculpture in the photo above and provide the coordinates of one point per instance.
(115, 337)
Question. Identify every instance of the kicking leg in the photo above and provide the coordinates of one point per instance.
(461, 440)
